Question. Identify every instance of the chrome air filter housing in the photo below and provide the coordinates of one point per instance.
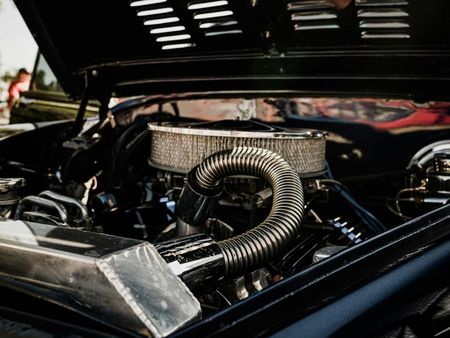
(180, 147)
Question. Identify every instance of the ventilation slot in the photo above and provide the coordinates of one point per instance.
(178, 46)
(215, 18)
(209, 4)
(146, 3)
(381, 3)
(163, 23)
(150, 12)
(168, 29)
(313, 15)
(383, 19)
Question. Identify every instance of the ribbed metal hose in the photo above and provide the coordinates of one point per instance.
(254, 248)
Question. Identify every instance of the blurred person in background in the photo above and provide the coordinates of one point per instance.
(18, 86)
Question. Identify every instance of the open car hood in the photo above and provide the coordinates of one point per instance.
(390, 48)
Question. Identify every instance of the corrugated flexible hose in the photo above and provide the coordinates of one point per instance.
(265, 242)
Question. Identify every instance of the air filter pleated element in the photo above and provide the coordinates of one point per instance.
(179, 148)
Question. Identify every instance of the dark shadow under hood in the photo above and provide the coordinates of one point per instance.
(390, 48)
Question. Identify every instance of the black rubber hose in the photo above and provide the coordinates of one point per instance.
(268, 240)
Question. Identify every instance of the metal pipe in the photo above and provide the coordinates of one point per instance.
(68, 201)
(265, 242)
(43, 203)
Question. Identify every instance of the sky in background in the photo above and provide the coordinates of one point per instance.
(17, 46)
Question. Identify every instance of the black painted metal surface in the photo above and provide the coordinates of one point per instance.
(269, 45)
(317, 286)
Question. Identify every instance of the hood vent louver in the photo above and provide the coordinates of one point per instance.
(214, 17)
(164, 24)
(383, 19)
(312, 15)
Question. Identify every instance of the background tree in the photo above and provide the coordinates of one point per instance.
(8, 76)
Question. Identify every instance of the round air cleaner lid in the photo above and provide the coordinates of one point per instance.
(180, 147)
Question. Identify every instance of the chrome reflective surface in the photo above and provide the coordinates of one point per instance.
(195, 207)
(8, 184)
(252, 249)
(121, 281)
(9, 194)
(196, 259)
(426, 154)
(327, 252)
(180, 147)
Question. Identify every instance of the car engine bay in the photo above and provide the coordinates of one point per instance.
(232, 206)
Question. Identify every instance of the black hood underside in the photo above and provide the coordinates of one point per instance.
(392, 48)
